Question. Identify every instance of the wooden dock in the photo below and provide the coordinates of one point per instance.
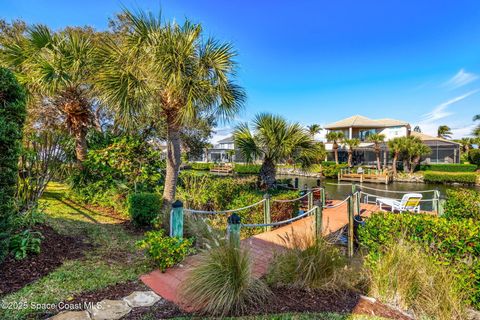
(367, 175)
(222, 168)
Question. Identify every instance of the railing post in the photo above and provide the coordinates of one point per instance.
(267, 218)
(233, 229)
(318, 220)
(296, 183)
(350, 226)
(176, 219)
(310, 200)
(441, 206)
(322, 191)
(436, 201)
(358, 202)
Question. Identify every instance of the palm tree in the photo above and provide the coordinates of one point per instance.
(171, 72)
(57, 67)
(476, 131)
(352, 145)
(417, 129)
(335, 137)
(313, 129)
(396, 146)
(444, 132)
(466, 143)
(377, 139)
(416, 150)
(273, 139)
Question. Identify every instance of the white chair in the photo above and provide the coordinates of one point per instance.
(409, 202)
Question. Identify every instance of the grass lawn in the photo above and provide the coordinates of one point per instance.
(113, 258)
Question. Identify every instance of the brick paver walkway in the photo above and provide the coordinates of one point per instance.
(262, 248)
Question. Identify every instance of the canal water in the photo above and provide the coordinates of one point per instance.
(340, 190)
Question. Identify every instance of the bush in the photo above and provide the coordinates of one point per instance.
(223, 283)
(24, 243)
(12, 118)
(450, 177)
(454, 243)
(201, 165)
(332, 170)
(406, 277)
(449, 167)
(463, 203)
(474, 156)
(165, 251)
(308, 264)
(143, 208)
(247, 168)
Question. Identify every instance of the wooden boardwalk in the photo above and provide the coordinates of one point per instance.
(262, 248)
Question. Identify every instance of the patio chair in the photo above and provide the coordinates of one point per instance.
(409, 202)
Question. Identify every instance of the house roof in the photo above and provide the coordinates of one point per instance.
(226, 140)
(426, 137)
(359, 121)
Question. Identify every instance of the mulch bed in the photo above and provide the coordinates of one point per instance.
(55, 249)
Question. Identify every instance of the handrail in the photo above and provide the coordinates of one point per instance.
(274, 224)
(337, 204)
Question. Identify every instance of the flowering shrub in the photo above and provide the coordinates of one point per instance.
(165, 251)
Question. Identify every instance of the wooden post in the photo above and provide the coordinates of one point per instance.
(267, 218)
(233, 229)
(310, 200)
(350, 226)
(318, 220)
(358, 205)
(435, 202)
(323, 196)
(318, 182)
(176, 219)
(296, 183)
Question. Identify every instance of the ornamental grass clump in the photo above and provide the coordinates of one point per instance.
(223, 283)
(404, 276)
(308, 263)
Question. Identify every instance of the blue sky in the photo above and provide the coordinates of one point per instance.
(321, 61)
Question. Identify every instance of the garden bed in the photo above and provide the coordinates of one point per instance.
(55, 249)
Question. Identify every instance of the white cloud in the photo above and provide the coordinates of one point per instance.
(460, 79)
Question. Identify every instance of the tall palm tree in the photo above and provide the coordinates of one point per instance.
(444, 132)
(396, 146)
(174, 74)
(476, 131)
(313, 129)
(377, 139)
(352, 145)
(417, 129)
(57, 67)
(416, 150)
(273, 139)
(466, 143)
(335, 137)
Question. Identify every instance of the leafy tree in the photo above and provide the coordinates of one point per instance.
(273, 139)
(417, 129)
(313, 129)
(12, 118)
(444, 132)
(335, 137)
(396, 146)
(476, 131)
(170, 72)
(377, 139)
(466, 143)
(352, 145)
(57, 67)
(417, 149)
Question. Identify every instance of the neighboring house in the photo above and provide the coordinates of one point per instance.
(223, 151)
(443, 151)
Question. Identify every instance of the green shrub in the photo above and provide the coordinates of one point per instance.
(247, 168)
(406, 277)
(449, 167)
(328, 163)
(450, 177)
(332, 170)
(463, 203)
(12, 118)
(201, 165)
(474, 156)
(165, 251)
(223, 283)
(143, 208)
(309, 264)
(454, 243)
(24, 243)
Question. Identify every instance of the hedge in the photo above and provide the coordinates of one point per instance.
(449, 167)
(474, 156)
(450, 177)
(202, 165)
(454, 243)
(247, 168)
(462, 203)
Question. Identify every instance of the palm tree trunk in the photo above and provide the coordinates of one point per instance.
(377, 153)
(414, 164)
(173, 166)
(335, 152)
(80, 145)
(267, 174)
(350, 158)
(394, 163)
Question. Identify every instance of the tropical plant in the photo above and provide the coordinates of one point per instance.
(24, 243)
(12, 118)
(462, 204)
(57, 67)
(417, 129)
(396, 146)
(466, 144)
(143, 208)
(273, 140)
(223, 282)
(313, 129)
(476, 130)
(171, 73)
(335, 137)
(444, 132)
(352, 145)
(416, 150)
(377, 139)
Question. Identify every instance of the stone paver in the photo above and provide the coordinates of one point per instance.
(71, 315)
(109, 310)
(142, 299)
